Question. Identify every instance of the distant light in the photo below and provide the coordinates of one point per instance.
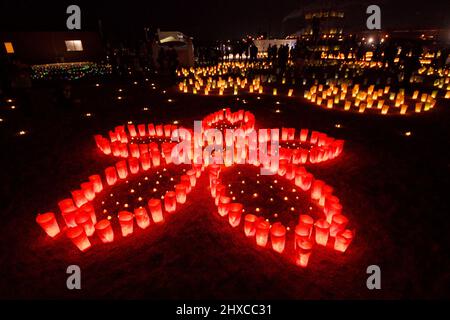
(278, 111)
(1, 120)
(119, 98)
(337, 125)
(13, 107)
(145, 109)
(408, 133)
(169, 100)
(88, 114)
(9, 100)
(175, 122)
(97, 85)
(22, 133)
(370, 40)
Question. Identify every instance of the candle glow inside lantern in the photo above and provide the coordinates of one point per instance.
(303, 252)
(78, 237)
(156, 210)
(126, 223)
(338, 223)
(278, 237)
(79, 198)
(249, 225)
(142, 218)
(343, 240)
(224, 203)
(180, 191)
(68, 211)
(48, 222)
(322, 231)
(84, 220)
(96, 181)
(170, 201)
(111, 176)
(234, 214)
(122, 170)
(88, 190)
(104, 231)
(262, 233)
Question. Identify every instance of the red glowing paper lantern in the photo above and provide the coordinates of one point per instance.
(145, 161)
(322, 231)
(48, 222)
(192, 177)
(343, 240)
(234, 214)
(141, 129)
(68, 211)
(220, 191)
(79, 198)
(278, 237)
(307, 220)
(186, 181)
(134, 165)
(316, 189)
(84, 220)
(96, 182)
(156, 157)
(104, 231)
(126, 222)
(262, 232)
(122, 170)
(134, 150)
(302, 231)
(156, 210)
(224, 203)
(338, 223)
(303, 252)
(111, 176)
(180, 191)
(88, 190)
(78, 237)
(249, 225)
(142, 218)
(170, 201)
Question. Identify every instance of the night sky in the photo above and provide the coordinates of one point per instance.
(208, 19)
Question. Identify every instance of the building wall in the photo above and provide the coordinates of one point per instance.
(50, 47)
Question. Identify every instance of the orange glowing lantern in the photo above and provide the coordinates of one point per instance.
(184, 179)
(170, 201)
(262, 232)
(68, 211)
(249, 225)
(48, 222)
(302, 231)
(122, 170)
(84, 220)
(145, 161)
(192, 177)
(156, 210)
(322, 231)
(142, 218)
(111, 176)
(104, 231)
(303, 252)
(343, 240)
(306, 220)
(316, 189)
(126, 223)
(234, 214)
(78, 237)
(96, 182)
(224, 203)
(338, 223)
(278, 237)
(180, 191)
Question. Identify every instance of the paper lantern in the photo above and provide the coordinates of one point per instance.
(68, 211)
(338, 223)
(234, 214)
(180, 191)
(223, 206)
(316, 189)
(126, 223)
(134, 165)
(96, 182)
(303, 252)
(156, 157)
(306, 220)
(141, 129)
(156, 210)
(79, 198)
(78, 237)
(262, 233)
(104, 231)
(192, 177)
(322, 231)
(145, 161)
(111, 176)
(343, 240)
(48, 222)
(302, 231)
(142, 218)
(184, 179)
(89, 209)
(84, 220)
(170, 201)
(249, 225)
(278, 237)
(122, 170)
(88, 190)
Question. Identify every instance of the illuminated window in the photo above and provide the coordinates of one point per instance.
(74, 45)
(9, 47)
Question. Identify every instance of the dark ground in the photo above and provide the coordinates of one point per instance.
(393, 187)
